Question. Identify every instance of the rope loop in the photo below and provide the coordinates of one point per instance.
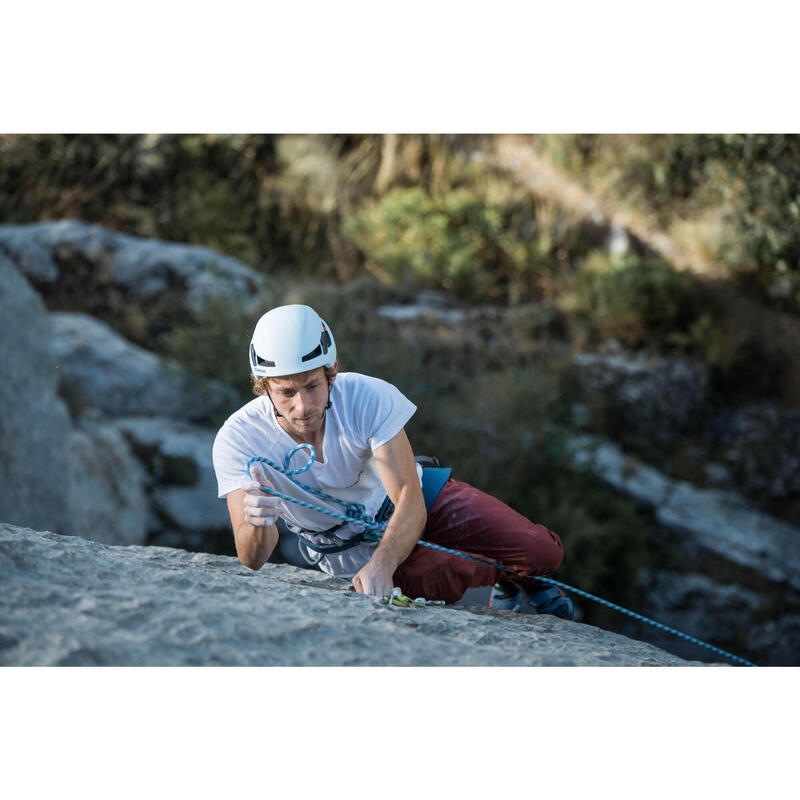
(312, 457)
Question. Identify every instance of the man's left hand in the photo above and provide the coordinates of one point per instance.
(374, 579)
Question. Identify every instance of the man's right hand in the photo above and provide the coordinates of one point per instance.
(260, 508)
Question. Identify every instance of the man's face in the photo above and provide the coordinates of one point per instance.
(301, 400)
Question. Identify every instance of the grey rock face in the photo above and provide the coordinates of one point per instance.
(34, 260)
(657, 396)
(52, 474)
(148, 268)
(761, 445)
(433, 306)
(143, 267)
(34, 421)
(716, 530)
(106, 497)
(183, 486)
(141, 287)
(723, 523)
(711, 521)
(712, 611)
(102, 370)
(779, 637)
(68, 601)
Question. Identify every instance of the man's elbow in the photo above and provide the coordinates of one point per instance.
(253, 562)
(254, 557)
(253, 548)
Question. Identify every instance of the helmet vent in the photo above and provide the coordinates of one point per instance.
(322, 347)
(317, 351)
(257, 360)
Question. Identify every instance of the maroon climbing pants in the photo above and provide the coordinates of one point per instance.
(464, 518)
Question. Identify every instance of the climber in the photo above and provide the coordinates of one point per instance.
(363, 456)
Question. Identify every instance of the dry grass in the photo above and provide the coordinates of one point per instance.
(689, 244)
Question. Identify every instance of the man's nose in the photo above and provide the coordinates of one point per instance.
(302, 401)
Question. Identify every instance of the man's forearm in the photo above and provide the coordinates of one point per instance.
(404, 528)
(254, 545)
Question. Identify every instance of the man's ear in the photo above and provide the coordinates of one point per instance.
(335, 366)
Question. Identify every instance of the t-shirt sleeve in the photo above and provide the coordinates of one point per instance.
(229, 461)
(383, 411)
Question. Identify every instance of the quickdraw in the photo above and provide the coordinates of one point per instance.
(398, 599)
(372, 530)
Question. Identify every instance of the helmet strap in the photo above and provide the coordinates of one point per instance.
(274, 407)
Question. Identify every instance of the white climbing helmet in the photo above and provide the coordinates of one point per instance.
(290, 339)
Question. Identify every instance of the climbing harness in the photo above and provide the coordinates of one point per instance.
(372, 529)
(434, 477)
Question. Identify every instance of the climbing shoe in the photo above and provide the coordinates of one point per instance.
(542, 599)
(550, 600)
(506, 597)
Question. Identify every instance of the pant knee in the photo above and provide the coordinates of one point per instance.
(544, 550)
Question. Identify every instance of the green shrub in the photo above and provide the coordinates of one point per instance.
(433, 242)
(210, 211)
(214, 345)
(634, 300)
(477, 243)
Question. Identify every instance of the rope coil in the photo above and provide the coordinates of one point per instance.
(356, 513)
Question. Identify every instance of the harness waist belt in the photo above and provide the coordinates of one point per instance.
(433, 479)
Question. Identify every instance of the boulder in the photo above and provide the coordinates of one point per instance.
(714, 611)
(35, 423)
(760, 444)
(53, 474)
(430, 307)
(723, 524)
(106, 495)
(34, 260)
(140, 286)
(67, 601)
(148, 268)
(704, 522)
(100, 369)
(778, 639)
(651, 395)
(181, 479)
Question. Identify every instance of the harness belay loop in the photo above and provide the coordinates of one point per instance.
(355, 513)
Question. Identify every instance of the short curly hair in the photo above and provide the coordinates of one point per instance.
(261, 385)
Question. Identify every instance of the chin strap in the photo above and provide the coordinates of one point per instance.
(274, 407)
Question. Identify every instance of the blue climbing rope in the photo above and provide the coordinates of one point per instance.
(356, 513)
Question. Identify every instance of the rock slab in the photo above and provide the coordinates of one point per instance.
(710, 520)
(67, 601)
(100, 369)
(145, 268)
(34, 419)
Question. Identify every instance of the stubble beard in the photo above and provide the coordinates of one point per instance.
(309, 427)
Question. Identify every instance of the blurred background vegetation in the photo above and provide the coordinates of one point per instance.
(433, 208)
(518, 226)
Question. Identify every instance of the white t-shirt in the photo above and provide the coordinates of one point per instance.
(365, 414)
